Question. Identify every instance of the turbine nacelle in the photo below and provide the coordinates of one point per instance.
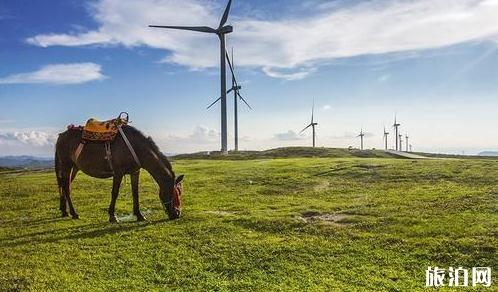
(224, 30)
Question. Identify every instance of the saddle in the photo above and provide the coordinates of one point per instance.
(103, 131)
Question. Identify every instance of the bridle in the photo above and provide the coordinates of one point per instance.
(175, 196)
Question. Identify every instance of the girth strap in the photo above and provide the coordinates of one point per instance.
(108, 155)
(128, 144)
(78, 151)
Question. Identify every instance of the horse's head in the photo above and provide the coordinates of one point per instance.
(172, 199)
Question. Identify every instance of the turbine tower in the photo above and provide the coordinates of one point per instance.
(400, 142)
(236, 96)
(386, 134)
(396, 135)
(361, 135)
(221, 32)
(312, 124)
(407, 144)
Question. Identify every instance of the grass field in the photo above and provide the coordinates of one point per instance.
(268, 224)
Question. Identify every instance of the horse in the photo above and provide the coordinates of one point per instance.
(94, 160)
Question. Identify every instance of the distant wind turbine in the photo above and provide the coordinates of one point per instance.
(396, 135)
(361, 135)
(400, 142)
(221, 31)
(236, 96)
(386, 134)
(407, 144)
(312, 124)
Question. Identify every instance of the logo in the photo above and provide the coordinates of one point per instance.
(459, 277)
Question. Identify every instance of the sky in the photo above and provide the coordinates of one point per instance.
(433, 63)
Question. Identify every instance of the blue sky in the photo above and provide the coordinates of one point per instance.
(434, 63)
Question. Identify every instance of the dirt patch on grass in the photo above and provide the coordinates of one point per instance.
(223, 213)
(331, 218)
(321, 186)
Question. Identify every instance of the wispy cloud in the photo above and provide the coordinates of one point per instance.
(296, 75)
(288, 136)
(76, 73)
(370, 27)
(327, 107)
(200, 135)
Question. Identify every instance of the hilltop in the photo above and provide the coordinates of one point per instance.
(287, 152)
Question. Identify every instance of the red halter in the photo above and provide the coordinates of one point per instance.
(177, 196)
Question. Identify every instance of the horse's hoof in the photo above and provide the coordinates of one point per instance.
(141, 218)
(75, 216)
(113, 219)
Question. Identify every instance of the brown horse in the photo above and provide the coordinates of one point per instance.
(92, 161)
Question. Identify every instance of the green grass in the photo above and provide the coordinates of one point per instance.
(244, 227)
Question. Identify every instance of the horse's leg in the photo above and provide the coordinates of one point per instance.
(59, 174)
(116, 183)
(62, 204)
(134, 190)
(66, 189)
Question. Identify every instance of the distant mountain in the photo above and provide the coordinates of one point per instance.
(25, 161)
(488, 153)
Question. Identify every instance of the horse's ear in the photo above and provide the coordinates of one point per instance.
(179, 179)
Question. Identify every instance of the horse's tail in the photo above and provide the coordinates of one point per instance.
(58, 166)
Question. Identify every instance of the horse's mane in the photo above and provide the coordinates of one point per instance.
(154, 148)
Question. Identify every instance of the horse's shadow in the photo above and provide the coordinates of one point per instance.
(85, 231)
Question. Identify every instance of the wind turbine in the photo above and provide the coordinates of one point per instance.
(312, 124)
(407, 144)
(361, 137)
(236, 96)
(396, 127)
(221, 31)
(386, 134)
(400, 142)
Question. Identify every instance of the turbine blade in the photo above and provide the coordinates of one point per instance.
(231, 69)
(313, 111)
(241, 98)
(192, 28)
(225, 14)
(230, 90)
(211, 105)
(305, 128)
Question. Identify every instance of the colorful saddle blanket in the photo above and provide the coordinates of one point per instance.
(96, 130)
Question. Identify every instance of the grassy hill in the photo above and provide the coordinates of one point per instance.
(287, 152)
(267, 224)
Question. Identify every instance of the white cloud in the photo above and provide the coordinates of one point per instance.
(327, 107)
(31, 138)
(200, 135)
(371, 27)
(288, 136)
(76, 73)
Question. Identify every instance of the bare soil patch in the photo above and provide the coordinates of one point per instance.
(331, 218)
